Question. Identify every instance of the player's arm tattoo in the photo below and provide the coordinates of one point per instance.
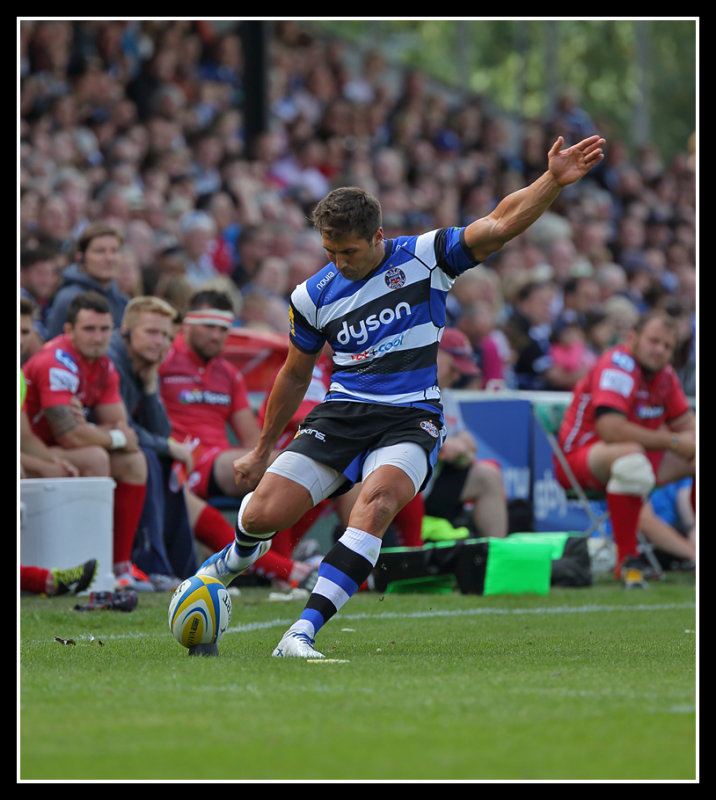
(62, 420)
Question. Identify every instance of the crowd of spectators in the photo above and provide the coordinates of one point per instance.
(141, 125)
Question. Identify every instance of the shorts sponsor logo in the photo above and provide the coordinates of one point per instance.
(395, 278)
(359, 331)
(312, 432)
(429, 427)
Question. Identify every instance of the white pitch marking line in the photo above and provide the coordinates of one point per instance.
(466, 612)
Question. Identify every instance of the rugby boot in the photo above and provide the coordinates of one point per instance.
(295, 644)
(227, 564)
(633, 573)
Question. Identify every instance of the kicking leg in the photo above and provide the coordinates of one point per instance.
(291, 486)
(276, 503)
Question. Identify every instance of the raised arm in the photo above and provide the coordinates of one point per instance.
(516, 212)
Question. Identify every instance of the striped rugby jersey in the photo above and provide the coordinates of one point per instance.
(384, 330)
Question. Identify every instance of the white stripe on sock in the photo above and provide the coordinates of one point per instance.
(365, 544)
(332, 591)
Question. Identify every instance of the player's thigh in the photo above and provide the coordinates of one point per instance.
(92, 461)
(223, 470)
(600, 457)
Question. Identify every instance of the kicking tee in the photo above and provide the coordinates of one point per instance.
(384, 330)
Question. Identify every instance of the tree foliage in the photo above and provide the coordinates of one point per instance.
(635, 77)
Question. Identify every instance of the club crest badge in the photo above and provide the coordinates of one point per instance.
(430, 427)
(395, 278)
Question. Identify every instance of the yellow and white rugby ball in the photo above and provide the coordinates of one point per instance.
(199, 611)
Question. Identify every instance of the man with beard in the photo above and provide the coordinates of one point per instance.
(629, 428)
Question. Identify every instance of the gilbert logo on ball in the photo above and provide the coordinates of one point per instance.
(199, 611)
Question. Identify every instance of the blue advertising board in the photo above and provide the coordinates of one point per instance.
(502, 427)
(505, 429)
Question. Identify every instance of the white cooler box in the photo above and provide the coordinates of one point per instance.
(66, 521)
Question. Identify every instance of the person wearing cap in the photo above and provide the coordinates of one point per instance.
(460, 477)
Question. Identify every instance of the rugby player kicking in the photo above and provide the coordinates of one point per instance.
(380, 305)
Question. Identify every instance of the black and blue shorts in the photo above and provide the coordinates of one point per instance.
(342, 434)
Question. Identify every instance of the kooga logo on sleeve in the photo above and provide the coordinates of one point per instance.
(359, 331)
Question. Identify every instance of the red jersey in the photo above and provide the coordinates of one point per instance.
(200, 398)
(317, 390)
(616, 381)
(57, 373)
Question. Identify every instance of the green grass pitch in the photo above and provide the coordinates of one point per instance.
(592, 684)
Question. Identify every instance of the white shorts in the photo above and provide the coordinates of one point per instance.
(322, 481)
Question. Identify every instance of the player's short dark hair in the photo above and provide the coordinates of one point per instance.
(348, 210)
(93, 301)
(36, 254)
(211, 298)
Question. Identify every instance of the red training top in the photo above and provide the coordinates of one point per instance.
(199, 397)
(617, 382)
(57, 373)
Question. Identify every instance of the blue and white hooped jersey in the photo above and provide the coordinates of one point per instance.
(384, 330)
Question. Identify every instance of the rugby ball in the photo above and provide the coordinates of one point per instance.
(199, 611)
(602, 554)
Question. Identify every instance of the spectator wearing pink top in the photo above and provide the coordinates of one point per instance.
(477, 322)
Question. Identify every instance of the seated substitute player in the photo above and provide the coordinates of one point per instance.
(203, 393)
(73, 404)
(37, 460)
(381, 305)
(628, 428)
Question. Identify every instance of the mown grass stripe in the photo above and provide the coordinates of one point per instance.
(435, 613)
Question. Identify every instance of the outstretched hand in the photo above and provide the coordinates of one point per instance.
(571, 164)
